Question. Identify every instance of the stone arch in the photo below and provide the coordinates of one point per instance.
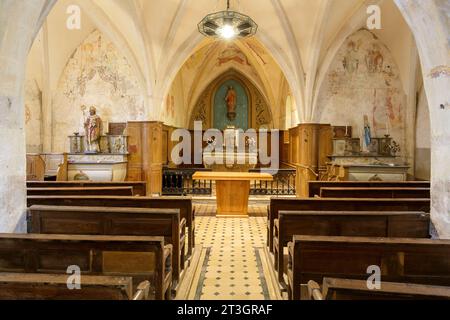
(433, 47)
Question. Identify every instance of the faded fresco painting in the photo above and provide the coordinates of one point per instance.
(363, 80)
(96, 75)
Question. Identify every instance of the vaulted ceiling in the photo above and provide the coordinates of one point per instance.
(158, 37)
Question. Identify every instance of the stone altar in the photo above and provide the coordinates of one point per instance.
(370, 168)
(99, 167)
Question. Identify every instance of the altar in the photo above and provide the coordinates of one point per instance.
(97, 167)
(232, 190)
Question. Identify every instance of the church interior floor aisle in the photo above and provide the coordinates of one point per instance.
(232, 268)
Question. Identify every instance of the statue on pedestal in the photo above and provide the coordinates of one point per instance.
(93, 127)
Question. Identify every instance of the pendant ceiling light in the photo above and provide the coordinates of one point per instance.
(227, 25)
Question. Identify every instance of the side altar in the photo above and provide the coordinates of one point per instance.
(373, 159)
(95, 156)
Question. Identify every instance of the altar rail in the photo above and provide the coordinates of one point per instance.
(180, 182)
(283, 183)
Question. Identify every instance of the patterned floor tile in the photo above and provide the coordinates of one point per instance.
(232, 270)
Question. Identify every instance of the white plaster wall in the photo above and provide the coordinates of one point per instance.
(354, 88)
(96, 75)
(33, 97)
(175, 110)
(423, 139)
(33, 116)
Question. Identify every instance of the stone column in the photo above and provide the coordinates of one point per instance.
(19, 20)
(428, 21)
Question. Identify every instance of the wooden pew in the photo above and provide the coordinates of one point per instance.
(114, 221)
(139, 188)
(345, 223)
(142, 258)
(333, 204)
(315, 186)
(29, 286)
(86, 191)
(395, 193)
(348, 289)
(404, 260)
(184, 204)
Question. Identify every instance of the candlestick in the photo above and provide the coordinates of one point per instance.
(388, 126)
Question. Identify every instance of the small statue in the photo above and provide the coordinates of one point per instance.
(93, 128)
(231, 100)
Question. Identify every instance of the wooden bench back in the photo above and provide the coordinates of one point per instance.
(28, 286)
(421, 261)
(139, 188)
(142, 258)
(408, 193)
(184, 204)
(348, 204)
(104, 221)
(349, 289)
(353, 223)
(314, 186)
(111, 221)
(86, 191)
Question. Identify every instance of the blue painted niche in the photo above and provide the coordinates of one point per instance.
(221, 120)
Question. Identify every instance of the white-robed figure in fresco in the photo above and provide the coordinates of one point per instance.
(93, 127)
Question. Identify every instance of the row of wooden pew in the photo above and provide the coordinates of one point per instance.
(126, 246)
(331, 241)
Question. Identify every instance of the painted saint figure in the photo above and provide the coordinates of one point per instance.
(231, 99)
(93, 131)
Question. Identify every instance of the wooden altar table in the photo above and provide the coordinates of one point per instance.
(232, 190)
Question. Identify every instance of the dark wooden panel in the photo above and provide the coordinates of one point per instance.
(53, 254)
(348, 289)
(112, 221)
(139, 187)
(408, 193)
(184, 204)
(24, 286)
(333, 204)
(314, 186)
(342, 223)
(84, 191)
(401, 260)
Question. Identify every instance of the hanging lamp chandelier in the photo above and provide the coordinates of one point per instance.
(227, 25)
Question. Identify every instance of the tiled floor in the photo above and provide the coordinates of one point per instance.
(232, 266)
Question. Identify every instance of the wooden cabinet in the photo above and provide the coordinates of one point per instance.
(146, 154)
(309, 146)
